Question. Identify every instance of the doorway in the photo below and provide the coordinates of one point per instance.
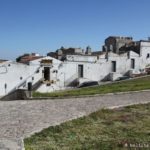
(132, 63)
(80, 71)
(46, 74)
(113, 66)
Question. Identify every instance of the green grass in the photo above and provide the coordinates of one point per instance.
(102, 130)
(130, 85)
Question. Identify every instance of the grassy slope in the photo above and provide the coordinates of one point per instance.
(104, 129)
(130, 85)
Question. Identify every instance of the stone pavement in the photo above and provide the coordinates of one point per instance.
(19, 119)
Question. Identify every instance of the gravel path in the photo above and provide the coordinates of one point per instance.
(19, 119)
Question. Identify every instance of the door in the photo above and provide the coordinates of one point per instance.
(46, 73)
(113, 66)
(80, 71)
(132, 63)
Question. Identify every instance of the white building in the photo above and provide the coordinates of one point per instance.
(48, 74)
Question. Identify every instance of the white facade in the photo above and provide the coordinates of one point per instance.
(76, 69)
(15, 75)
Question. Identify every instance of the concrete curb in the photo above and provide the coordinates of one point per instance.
(85, 96)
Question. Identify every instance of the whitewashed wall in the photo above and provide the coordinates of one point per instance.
(94, 68)
(145, 50)
(14, 75)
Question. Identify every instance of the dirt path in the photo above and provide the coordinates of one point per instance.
(19, 119)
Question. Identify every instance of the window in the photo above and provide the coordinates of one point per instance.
(38, 71)
(132, 63)
(80, 71)
(113, 66)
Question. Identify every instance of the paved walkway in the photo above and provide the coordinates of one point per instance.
(19, 119)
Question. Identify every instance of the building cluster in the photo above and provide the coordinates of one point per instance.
(120, 58)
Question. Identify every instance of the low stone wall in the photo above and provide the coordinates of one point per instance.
(19, 94)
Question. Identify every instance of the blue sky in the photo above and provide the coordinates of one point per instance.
(46, 25)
